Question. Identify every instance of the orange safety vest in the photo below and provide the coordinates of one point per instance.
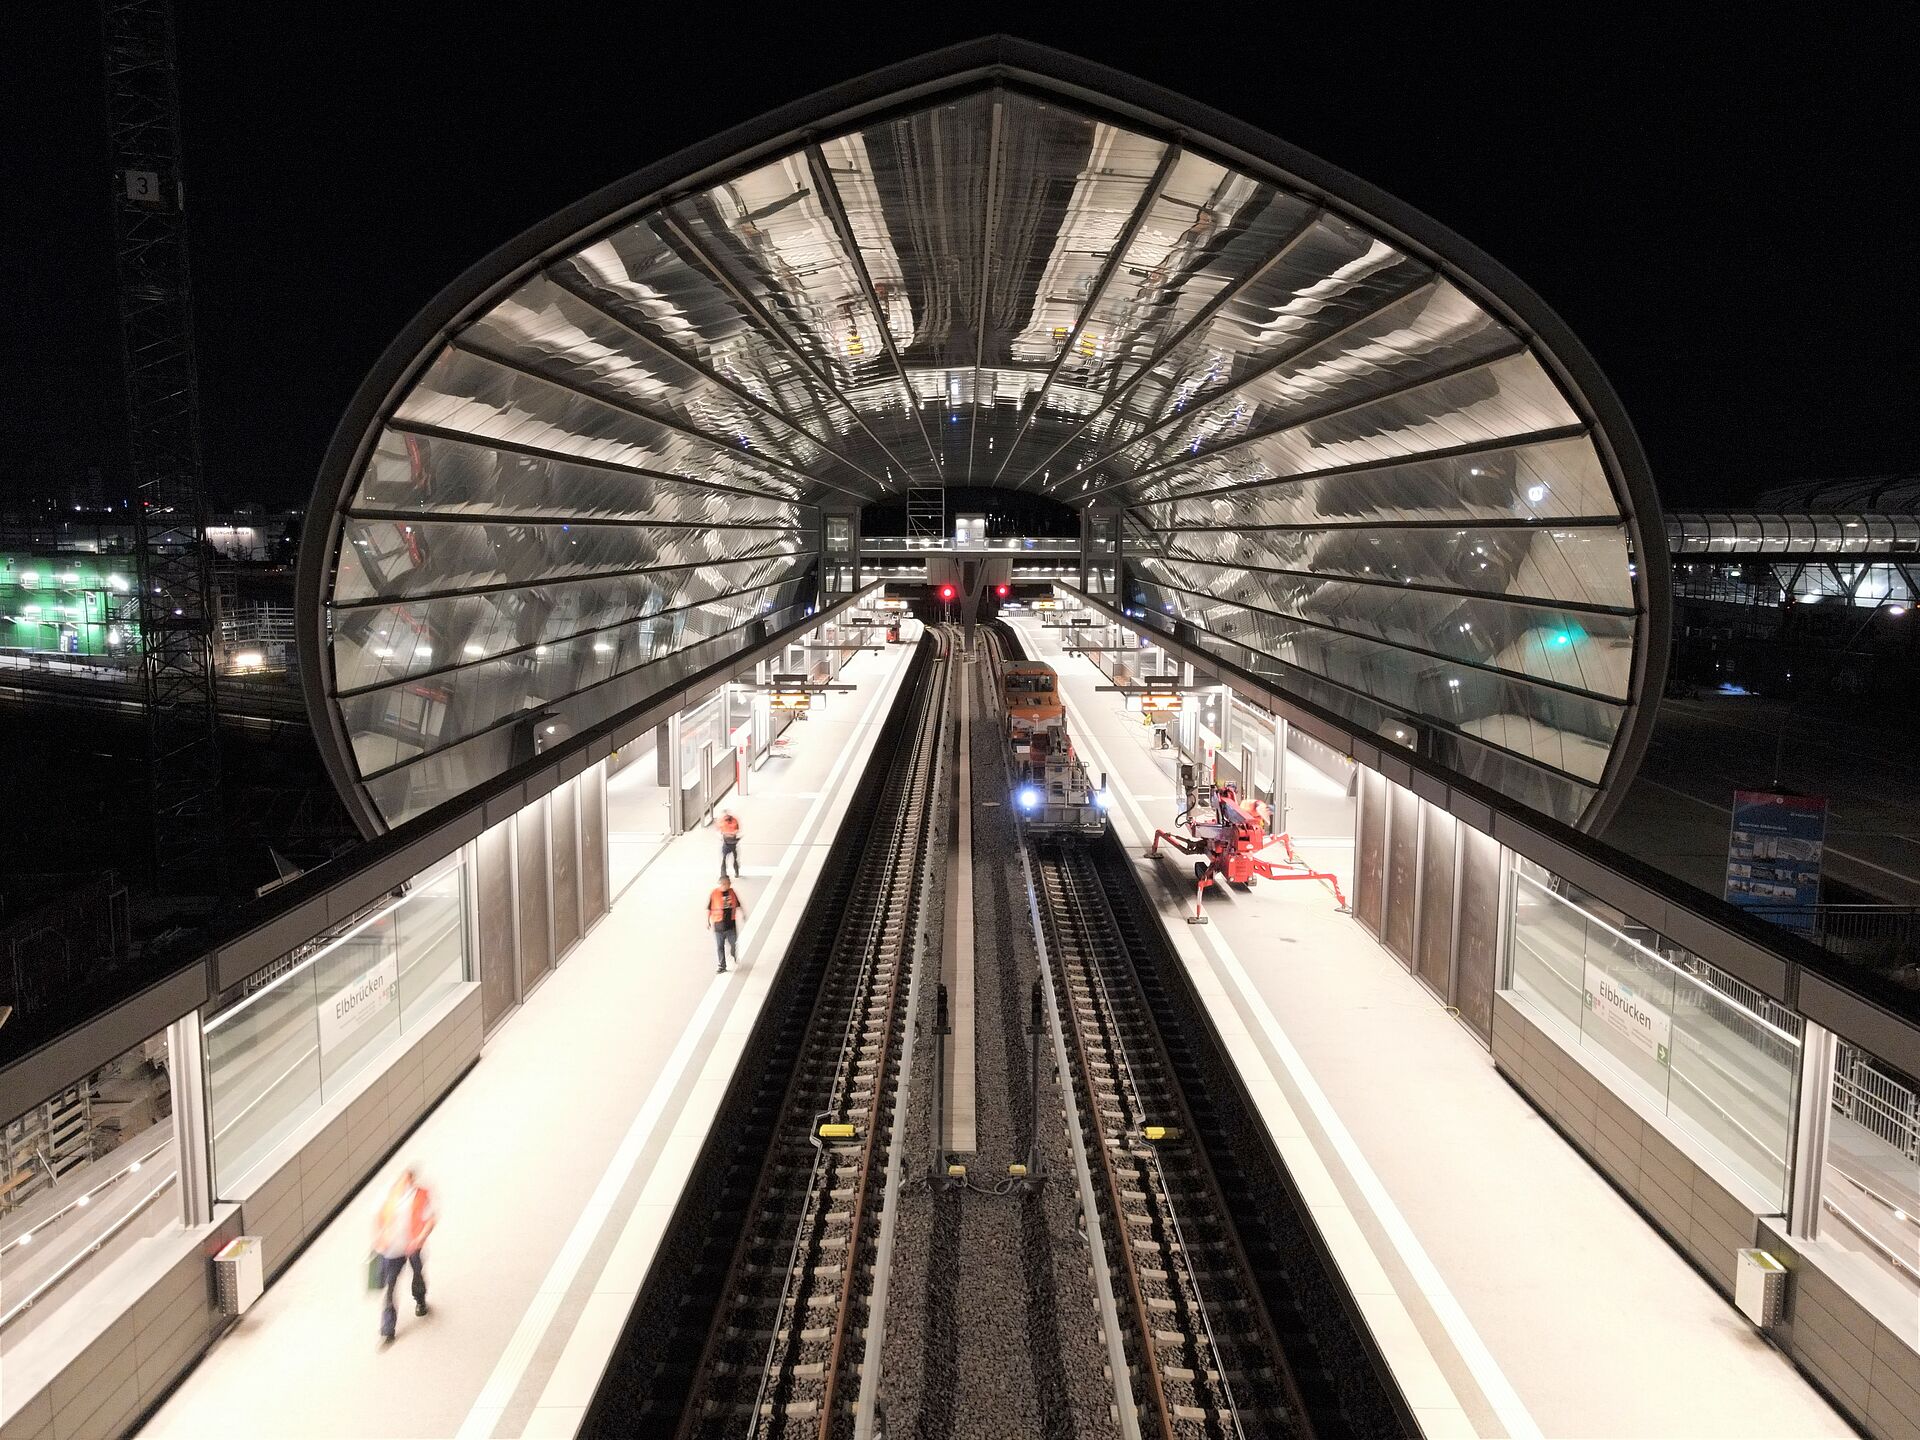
(720, 906)
(730, 826)
(406, 1217)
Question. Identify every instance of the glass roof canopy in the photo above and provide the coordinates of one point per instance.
(1350, 451)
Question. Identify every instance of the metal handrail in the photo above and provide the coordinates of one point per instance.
(84, 1199)
(16, 1311)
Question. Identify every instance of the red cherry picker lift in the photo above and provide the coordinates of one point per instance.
(1228, 838)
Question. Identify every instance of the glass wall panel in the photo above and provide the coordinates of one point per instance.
(263, 1070)
(358, 998)
(85, 1175)
(432, 936)
(638, 798)
(1685, 1039)
(493, 893)
(1329, 455)
(291, 1038)
(703, 735)
(566, 867)
(1476, 955)
(1371, 871)
(593, 843)
(1870, 1186)
(1403, 844)
(535, 889)
(1436, 896)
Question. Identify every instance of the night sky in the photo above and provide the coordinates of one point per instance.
(1719, 215)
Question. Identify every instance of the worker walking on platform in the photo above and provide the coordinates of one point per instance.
(729, 842)
(407, 1218)
(724, 912)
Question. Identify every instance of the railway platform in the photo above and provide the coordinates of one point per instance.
(557, 1161)
(1512, 1290)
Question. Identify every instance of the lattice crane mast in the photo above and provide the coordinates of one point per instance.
(176, 612)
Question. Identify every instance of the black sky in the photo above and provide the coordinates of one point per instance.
(1720, 213)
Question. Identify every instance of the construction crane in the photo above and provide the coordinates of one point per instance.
(175, 612)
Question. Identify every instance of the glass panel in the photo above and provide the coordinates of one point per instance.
(637, 806)
(1686, 1039)
(263, 1071)
(356, 980)
(289, 1039)
(476, 396)
(566, 867)
(1478, 950)
(1579, 650)
(1368, 885)
(1436, 896)
(417, 786)
(1502, 400)
(1566, 731)
(1433, 330)
(1587, 566)
(1403, 840)
(437, 475)
(1735, 1077)
(1331, 278)
(84, 1176)
(493, 892)
(387, 559)
(643, 275)
(397, 723)
(534, 887)
(593, 843)
(547, 328)
(433, 944)
(1870, 1195)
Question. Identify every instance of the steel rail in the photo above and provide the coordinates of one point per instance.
(1125, 1408)
(1087, 915)
(904, 887)
(1129, 1265)
(894, 895)
(864, 1412)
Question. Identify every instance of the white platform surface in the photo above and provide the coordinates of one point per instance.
(1512, 1288)
(557, 1161)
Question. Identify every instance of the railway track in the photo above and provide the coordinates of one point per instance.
(1216, 1314)
(782, 1356)
(1205, 1362)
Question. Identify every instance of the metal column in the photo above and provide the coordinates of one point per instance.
(1810, 1130)
(675, 824)
(192, 1124)
(1280, 738)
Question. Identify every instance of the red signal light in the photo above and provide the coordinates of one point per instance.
(946, 592)
(1001, 591)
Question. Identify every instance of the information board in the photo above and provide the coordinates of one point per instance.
(1773, 856)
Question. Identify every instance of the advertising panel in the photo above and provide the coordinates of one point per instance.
(1773, 856)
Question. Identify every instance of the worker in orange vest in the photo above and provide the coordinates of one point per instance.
(724, 911)
(729, 842)
(407, 1218)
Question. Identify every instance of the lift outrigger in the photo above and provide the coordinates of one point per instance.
(1229, 842)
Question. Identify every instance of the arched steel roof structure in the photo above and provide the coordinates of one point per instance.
(1350, 451)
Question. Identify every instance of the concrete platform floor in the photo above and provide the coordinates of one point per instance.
(556, 1162)
(1513, 1289)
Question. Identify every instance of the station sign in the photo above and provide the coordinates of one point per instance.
(1046, 604)
(890, 602)
(1161, 702)
(791, 702)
